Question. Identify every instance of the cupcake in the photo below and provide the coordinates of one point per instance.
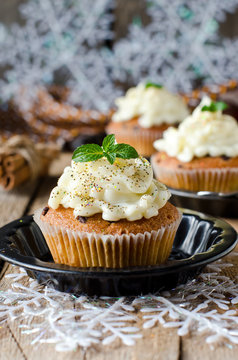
(143, 114)
(202, 154)
(108, 211)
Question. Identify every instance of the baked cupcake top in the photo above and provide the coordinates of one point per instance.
(207, 132)
(118, 187)
(152, 104)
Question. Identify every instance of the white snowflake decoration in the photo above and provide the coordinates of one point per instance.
(57, 34)
(69, 321)
(179, 46)
(86, 322)
(208, 294)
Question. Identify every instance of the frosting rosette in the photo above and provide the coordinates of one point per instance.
(152, 105)
(203, 133)
(123, 190)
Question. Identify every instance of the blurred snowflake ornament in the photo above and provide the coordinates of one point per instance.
(66, 34)
(180, 47)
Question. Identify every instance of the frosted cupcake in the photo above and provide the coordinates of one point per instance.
(108, 211)
(202, 154)
(144, 113)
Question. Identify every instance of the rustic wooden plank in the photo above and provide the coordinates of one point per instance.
(9, 348)
(195, 348)
(157, 343)
(14, 203)
(41, 351)
(49, 182)
(58, 165)
(14, 337)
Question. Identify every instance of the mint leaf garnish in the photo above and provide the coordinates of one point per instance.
(109, 149)
(110, 157)
(149, 84)
(108, 142)
(215, 106)
(125, 151)
(88, 152)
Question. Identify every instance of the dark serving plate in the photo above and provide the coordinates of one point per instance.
(216, 204)
(200, 240)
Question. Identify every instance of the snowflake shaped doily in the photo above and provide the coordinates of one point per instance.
(207, 304)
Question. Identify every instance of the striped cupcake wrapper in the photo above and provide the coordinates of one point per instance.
(84, 249)
(215, 180)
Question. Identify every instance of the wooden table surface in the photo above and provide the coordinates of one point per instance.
(157, 343)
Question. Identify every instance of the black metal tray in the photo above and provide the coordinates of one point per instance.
(216, 204)
(200, 240)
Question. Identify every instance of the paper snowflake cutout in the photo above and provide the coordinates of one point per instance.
(195, 307)
(69, 321)
(86, 322)
(180, 47)
(65, 36)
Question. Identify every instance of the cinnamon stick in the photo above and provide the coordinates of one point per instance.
(13, 162)
(1, 171)
(13, 179)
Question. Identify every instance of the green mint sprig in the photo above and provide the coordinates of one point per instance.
(215, 106)
(152, 84)
(109, 149)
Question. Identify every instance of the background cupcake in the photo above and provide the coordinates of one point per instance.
(144, 113)
(202, 154)
(109, 211)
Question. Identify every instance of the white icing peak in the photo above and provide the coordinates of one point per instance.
(125, 189)
(153, 106)
(203, 133)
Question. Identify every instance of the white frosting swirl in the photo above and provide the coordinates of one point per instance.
(154, 106)
(203, 133)
(125, 189)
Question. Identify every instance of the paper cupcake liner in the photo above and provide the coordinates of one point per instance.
(85, 249)
(142, 140)
(216, 180)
